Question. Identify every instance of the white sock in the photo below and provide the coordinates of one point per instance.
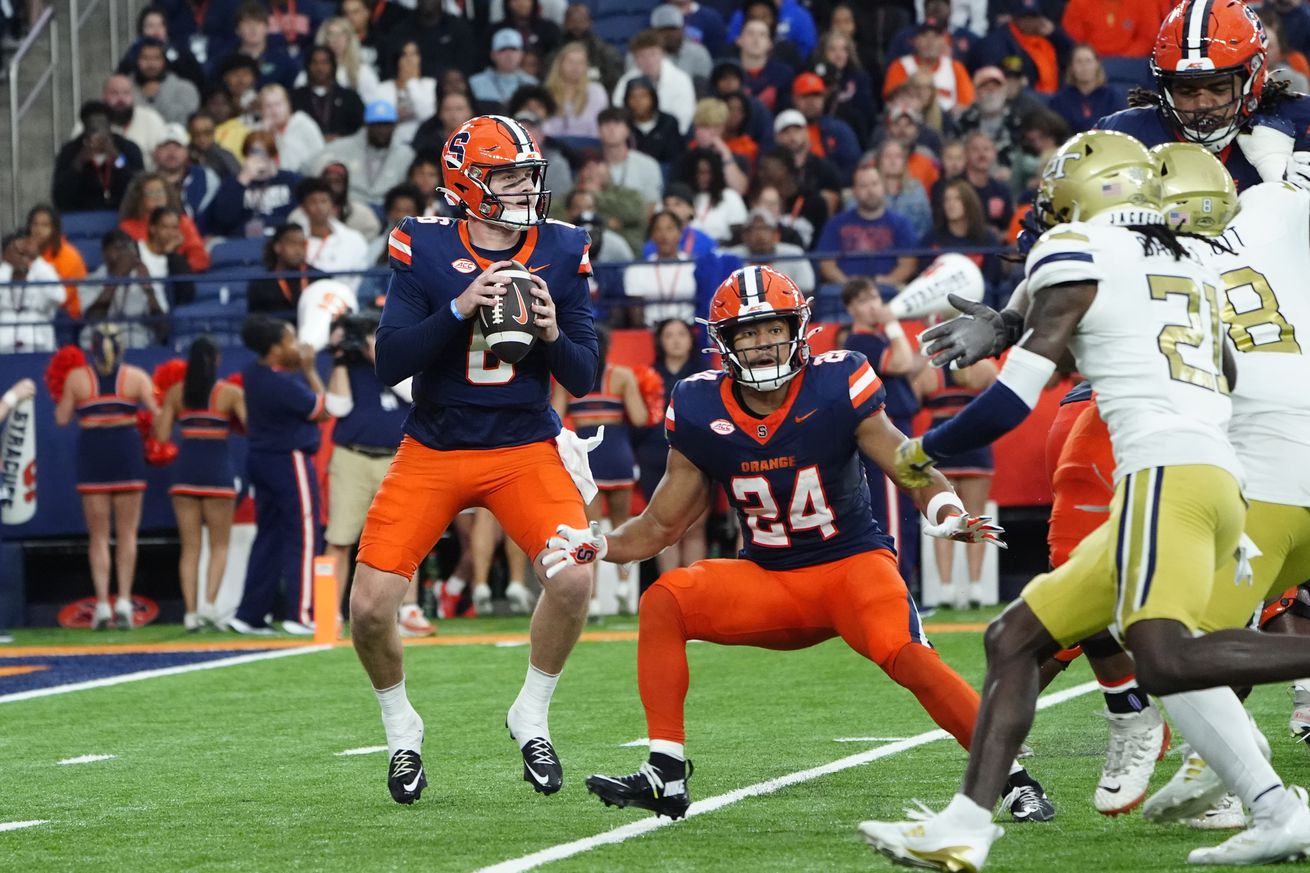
(455, 585)
(1217, 728)
(967, 813)
(529, 716)
(400, 720)
(668, 747)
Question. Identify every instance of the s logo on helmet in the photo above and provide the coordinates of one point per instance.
(455, 150)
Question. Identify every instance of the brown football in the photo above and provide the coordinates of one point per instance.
(510, 326)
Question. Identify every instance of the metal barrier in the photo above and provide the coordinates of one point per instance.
(18, 112)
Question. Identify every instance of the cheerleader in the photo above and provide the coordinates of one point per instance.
(203, 489)
(111, 474)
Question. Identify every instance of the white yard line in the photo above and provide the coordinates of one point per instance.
(19, 825)
(640, 741)
(769, 786)
(363, 750)
(154, 674)
(88, 759)
(868, 739)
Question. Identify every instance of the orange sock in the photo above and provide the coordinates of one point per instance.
(662, 674)
(951, 701)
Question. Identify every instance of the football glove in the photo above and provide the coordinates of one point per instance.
(1298, 170)
(1267, 147)
(573, 547)
(968, 529)
(912, 464)
(981, 332)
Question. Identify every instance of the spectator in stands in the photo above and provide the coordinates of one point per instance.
(743, 146)
(803, 210)
(45, 232)
(148, 192)
(370, 423)
(1086, 97)
(528, 109)
(299, 140)
(766, 199)
(444, 40)
(195, 185)
(204, 27)
(680, 199)
(203, 150)
(905, 194)
(764, 76)
(353, 213)
(230, 127)
(921, 93)
(792, 133)
(1284, 63)
(413, 94)
(330, 246)
(93, 169)
(704, 25)
(360, 16)
(292, 25)
(151, 24)
(159, 253)
(336, 109)
(454, 109)
(666, 287)
(932, 53)
(498, 82)
(606, 245)
(830, 137)
(239, 75)
(864, 32)
(127, 295)
(624, 208)
(960, 38)
(274, 64)
(861, 231)
(627, 167)
(257, 197)
(601, 56)
(352, 73)
(719, 211)
(578, 100)
(141, 124)
(1040, 44)
(654, 132)
(994, 113)
(283, 253)
(401, 201)
(1041, 134)
(110, 464)
(708, 126)
(284, 403)
(173, 97)
(958, 223)
(1116, 28)
(980, 170)
(541, 36)
(953, 161)
(27, 310)
(790, 20)
(376, 159)
(690, 56)
(425, 175)
(905, 125)
(762, 243)
(845, 79)
(677, 94)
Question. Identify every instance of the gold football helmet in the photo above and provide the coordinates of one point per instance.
(1100, 173)
(1197, 193)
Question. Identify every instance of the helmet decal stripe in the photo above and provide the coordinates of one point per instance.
(522, 141)
(1198, 28)
(752, 287)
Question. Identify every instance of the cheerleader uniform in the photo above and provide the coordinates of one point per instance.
(204, 464)
(612, 461)
(110, 455)
(947, 399)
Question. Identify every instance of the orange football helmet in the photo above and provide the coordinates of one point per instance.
(483, 148)
(1199, 39)
(758, 293)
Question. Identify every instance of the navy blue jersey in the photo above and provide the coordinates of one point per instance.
(794, 477)
(901, 400)
(1078, 393)
(1149, 125)
(280, 410)
(464, 396)
(377, 415)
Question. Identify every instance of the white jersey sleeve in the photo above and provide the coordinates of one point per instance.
(1061, 255)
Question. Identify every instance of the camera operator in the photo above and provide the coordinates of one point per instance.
(370, 424)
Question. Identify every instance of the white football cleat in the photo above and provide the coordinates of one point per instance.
(1226, 815)
(413, 623)
(482, 600)
(1299, 723)
(519, 597)
(1265, 842)
(931, 842)
(1194, 789)
(1137, 741)
(104, 616)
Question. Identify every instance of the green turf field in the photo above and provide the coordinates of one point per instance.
(236, 768)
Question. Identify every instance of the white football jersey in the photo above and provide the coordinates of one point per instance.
(1267, 283)
(1149, 344)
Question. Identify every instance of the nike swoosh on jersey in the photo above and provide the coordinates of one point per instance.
(538, 269)
(801, 418)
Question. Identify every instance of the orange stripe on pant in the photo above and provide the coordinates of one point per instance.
(733, 602)
(525, 487)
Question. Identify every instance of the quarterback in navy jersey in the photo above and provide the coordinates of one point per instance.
(783, 433)
(482, 431)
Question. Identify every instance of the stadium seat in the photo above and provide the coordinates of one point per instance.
(237, 252)
(88, 225)
(220, 322)
(233, 278)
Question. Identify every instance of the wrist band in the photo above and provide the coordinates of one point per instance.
(10, 399)
(893, 330)
(941, 500)
(454, 310)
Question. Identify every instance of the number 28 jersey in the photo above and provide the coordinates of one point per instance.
(793, 477)
(1149, 344)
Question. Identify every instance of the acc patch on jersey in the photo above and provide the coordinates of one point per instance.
(464, 265)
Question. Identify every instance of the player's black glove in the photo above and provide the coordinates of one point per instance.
(981, 332)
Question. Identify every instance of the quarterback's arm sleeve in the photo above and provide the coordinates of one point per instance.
(575, 356)
(996, 411)
(410, 335)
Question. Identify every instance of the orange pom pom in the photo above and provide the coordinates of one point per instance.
(651, 386)
(167, 375)
(238, 379)
(62, 362)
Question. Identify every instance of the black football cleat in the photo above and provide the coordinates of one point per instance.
(661, 792)
(541, 766)
(405, 778)
(1027, 802)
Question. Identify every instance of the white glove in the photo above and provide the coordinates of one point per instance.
(1298, 170)
(968, 529)
(1268, 149)
(573, 547)
(1247, 551)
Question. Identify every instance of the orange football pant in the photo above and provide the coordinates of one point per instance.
(735, 602)
(525, 487)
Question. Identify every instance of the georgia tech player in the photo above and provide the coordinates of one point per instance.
(1141, 315)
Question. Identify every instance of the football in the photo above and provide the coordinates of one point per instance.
(510, 326)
